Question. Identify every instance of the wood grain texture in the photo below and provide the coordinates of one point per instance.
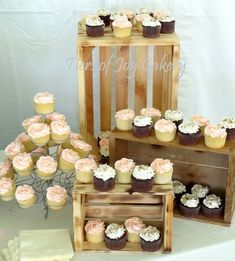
(175, 76)
(168, 221)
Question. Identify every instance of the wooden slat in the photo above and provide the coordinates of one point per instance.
(105, 88)
(141, 78)
(122, 61)
(168, 220)
(175, 76)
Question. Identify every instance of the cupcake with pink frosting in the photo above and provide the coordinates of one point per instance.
(215, 136)
(128, 13)
(72, 136)
(83, 148)
(155, 114)
(56, 197)
(122, 27)
(27, 122)
(39, 133)
(201, 121)
(46, 167)
(23, 164)
(84, 170)
(163, 169)
(25, 196)
(6, 169)
(13, 149)
(95, 231)
(59, 131)
(165, 130)
(38, 152)
(124, 119)
(26, 141)
(44, 103)
(67, 160)
(139, 20)
(7, 189)
(124, 168)
(54, 116)
(134, 226)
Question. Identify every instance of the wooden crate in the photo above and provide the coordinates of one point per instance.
(154, 208)
(165, 81)
(192, 164)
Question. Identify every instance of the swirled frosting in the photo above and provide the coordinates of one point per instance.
(200, 120)
(141, 17)
(144, 10)
(70, 156)
(103, 12)
(165, 126)
(44, 97)
(104, 134)
(14, 148)
(142, 121)
(173, 115)
(81, 145)
(228, 122)
(151, 22)
(94, 21)
(55, 116)
(5, 185)
(94, 226)
(160, 14)
(178, 187)
(104, 172)
(75, 136)
(38, 130)
(212, 201)
(161, 166)
(167, 19)
(128, 13)
(22, 161)
(121, 22)
(24, 192)
(215, 131)
(104, 142)
(22, 137)
(189, 200)
(150, 234)
(5, 167)
(47, 164)
(126, 114)
(60, 127)
(134, 225)
(114, 16)
(104, 150)
(114, 231)
(27, 122)
(86, 165)
(56, 193)
(143, 172)
(152, 112)
(199, 190)
(189, 127)
(124, 165)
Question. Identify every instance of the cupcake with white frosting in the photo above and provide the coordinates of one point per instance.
(104, 15)
(151, 28)
(95, 231)
(124, 168)
(46, 167)
(7, 189)
(228, 123)
(200, 191)
(139, 18)
(115, 236)
(215, 136)
(201, 121)
(59, 131)
(94, 27)
(104, 178)
(150, 239)
(39, 133)
(26, 141)
(13, 149)
(189, 205)
(27, 122)
(84, 17)
(134, 227)
(212, 206)
(54, 116)
(163, 169)
(167, 24)
(6, 169)
(179, 189)
(23, 164)
(56, 197)
(142, 126)
(81, 147)
(121, 27)
(165, 130)
(154, 113)
(67, 160)
(144, 10)
(160, 14)
(84, 170)
(25, 196)
(44, 103)
(189, 133)
(142, 178)
(124, 119)
(174, 116)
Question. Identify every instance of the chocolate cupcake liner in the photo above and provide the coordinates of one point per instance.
(151, 246)
(95, 31)
(212, 212)
(105, 19)
(141, 132)
(139, 185)
(167, 27)
(151, 32)
(104, 160)
(189, 139)
(189, 212)
(230, 134)
(115, 244)
(102, 185)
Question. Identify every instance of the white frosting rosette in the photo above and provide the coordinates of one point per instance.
(142, 121)
(190, 200)
(151, 22)
(150, 234)
(228, 122)
(212, 201)
(104, 172)
(173, 115)
(143, 172)
(199, 190)
(114, 231)
(94, 21)
(189, 127)
(178, 187)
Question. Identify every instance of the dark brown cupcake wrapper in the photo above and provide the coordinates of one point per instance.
(151, 246)
(189, 212)
(95, 31)
(141, 132)
(230, 134)
(139, 185)
(212, 212)
(151, 32)
(167, 27)
(102, 185)
(115, 244)
(189, 139)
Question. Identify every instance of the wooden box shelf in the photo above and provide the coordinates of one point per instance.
(192, 164)
(154, 208)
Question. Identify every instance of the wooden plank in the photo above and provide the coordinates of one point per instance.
(175, 76)
(141, 78)
(168, 220)
(122, 61)
(105, 88)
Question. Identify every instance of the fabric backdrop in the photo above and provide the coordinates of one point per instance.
(38, 53)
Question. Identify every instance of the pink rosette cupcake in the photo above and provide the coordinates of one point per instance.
(139, 20)
(67, 160)
(39, 133)
(54, 116)
(122, 27)
(124, 119)
(38, 152)
(201, 121)
(215, 136)
(163, 170)
(59, 131)
(6, 169)
(27, 122)
(23, 164)
(95, 231)
(44, 103)
(7, 189)
(155, 114)
(83, 148)
(124, 168)
(13, 149)
(84, 170)
(134, 226)
(46, 167)
(72, 136)
(128, 13)
(25, 196)
(26, 141)
(165, 130)
(56, 197)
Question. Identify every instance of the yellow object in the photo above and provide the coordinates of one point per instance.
(139, 26)
(95, 238)
(84, 176)
(59, 139)
(56, 205)
(123, 177)
(41, 108)
(124, 124)
(9, 195)
(41, 141)
(44, 175)
(24, 172)
(27, 203)
(215, 143)
(65, 165)
(163, 178)
(121, 32)
(10, 174)
(165, 136)
(133, 237)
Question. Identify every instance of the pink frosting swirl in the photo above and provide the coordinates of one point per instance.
(81, 145)
(38, 130)
(126, 114)
(27, 122)
(22, 137)
(122, 22)
(134, 225)
(200, 120)
(86, 165)
(5, 167)
(55, 116)
(22, 161)
(104, 142)
(215, 131)
(141, 17)
(70, 156)
(60, 127)
(94, 226)
(14, 148)
(152, 112)
(160, 14)
(165, 126)
(161, 165)
(44, 97)
(24, 192)
(47, 164)
(56, 193)
(5, 185)
(75, 136)
(124, 165)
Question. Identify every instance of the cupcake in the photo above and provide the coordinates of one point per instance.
(155, 114)
(124, 168)
(165, 130)
(84, 170)
(23, 164)
(124, 119)
(113, 17)
(67, 160)
(37, 153)
(56, 197)
(72, 136)
(151, 28)
(142, 178)
(44, 103)
(189, 205)
(134, 226)
(46, 167)
(95, 231)
(167, 24)
(54, 116)
(104, 178)
(103, 135)
(142, 126)
(174, 116)
(201, 121)
(104, 15)
(26, 141)
(150, 239)
(163, 170)
(122, 27)
(200, 191)
(80, 146)
(39, 133)
(189, 133)
(139, 20)
(7, 189)
(6, 169)
(212, 206)
(159, 14)
(228, 123)
(25, 196)
(84, 18)
(27, 122)
(59, 131)
(104, 150)
(128, 13)
(94, 27)
(179, 189)
(144, 10)
(115, 237)
(215, 136)
(13, 149)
